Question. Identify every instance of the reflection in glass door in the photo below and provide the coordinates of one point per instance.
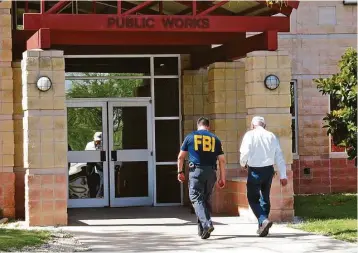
(131, 173)
(87, 146)
(141, 169)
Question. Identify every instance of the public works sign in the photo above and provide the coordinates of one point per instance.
(161, 23)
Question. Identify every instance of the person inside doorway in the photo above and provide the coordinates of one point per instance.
(95, 170)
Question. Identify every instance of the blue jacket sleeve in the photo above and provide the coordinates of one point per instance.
(185, 145)
(219, 147)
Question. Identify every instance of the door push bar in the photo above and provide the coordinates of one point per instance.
(103, 156)
(114, 156)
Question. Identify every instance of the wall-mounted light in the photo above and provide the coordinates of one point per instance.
(272, 82)
(44, 83)
(350, 2)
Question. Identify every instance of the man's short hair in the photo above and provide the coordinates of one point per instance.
(202, 121)
(258, 121)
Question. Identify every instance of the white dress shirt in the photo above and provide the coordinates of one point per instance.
(90, 146)
(260, 148)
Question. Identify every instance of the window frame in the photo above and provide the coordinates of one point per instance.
(295, 117)
(332, 154)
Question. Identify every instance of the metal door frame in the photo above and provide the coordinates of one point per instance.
(152, 77)
(86, 156)
(108, 166)
(133, 201)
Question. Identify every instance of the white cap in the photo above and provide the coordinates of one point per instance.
(97, 136)
(257, 119)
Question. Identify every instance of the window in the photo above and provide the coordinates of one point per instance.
(293, 110)
(327, 15)
(333, 105)
(166, 92)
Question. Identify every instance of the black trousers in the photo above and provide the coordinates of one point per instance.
(201, 183)
(258, 191)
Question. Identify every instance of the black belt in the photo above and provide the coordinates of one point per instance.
(263, 167)
(198, 166)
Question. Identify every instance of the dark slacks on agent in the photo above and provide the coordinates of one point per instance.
(201, 183)
(259, 182)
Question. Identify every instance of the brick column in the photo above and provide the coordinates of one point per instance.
(194, 97)
(228, 114)
(194, 102)
(18, 133)
(275, 107)
(45, 139)
(7, 177)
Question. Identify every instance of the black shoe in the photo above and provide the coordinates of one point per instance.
(206, 232)
(264, 228)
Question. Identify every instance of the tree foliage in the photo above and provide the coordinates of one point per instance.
(85, 121)
(341, 122)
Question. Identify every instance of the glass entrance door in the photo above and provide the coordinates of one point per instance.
(87, 154)
(131, 156)
(110, 158)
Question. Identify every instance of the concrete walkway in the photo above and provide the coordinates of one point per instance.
(173, 229)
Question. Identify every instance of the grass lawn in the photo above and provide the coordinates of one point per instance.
(17, 239)
(332, 214)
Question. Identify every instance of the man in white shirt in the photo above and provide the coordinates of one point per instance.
(96, 144)
(259, 151)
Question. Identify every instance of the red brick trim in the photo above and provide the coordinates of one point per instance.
(331, 175)
(7, 194)
(45, 200)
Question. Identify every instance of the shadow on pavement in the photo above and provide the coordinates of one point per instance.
(168, 216)
(167, 229)
(226, 237)
(122, 241)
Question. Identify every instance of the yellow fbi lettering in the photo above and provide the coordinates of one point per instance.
(207, 142)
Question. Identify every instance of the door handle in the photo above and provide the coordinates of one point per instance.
(114, 156)
(103, 156)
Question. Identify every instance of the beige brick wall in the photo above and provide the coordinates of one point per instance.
(321, 31)
(217, 93)
(45, 139)
(7, 149)
(272, 104)
(18, 115)
(228, 108)
(324, 17)
(45, 142)
(6, 91)
(236, 93)
(19, 145)
(194, 97)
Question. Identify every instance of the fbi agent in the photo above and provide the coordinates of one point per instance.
(204, 149)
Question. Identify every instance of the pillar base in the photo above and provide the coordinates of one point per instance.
(20, 194)
(7, 194)
(45, 200)
(232, 200)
